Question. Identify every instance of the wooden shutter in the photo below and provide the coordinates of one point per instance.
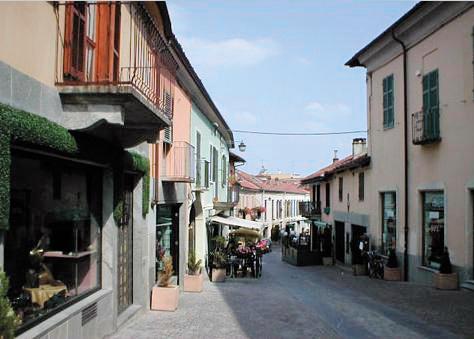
(75, 41)
(431, 105)
(388, 102)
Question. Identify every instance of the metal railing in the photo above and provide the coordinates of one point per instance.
(202, 174)
(142, 58)
(179, 163)
(425, 126)
(309, 208)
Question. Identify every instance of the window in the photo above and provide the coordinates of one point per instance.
(215, 165)
(224, 171)
(341, 189)
(328, 194)
(198, 159)
(389, 222)
(91, 29)
(361, 186)
(318, 197)
(433, 228)
(431, 106)
(388, 102)
(52, 249)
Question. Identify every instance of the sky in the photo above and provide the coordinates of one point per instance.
(278, 66)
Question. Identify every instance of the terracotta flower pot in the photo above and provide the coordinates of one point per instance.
(218, 274)
(193, 283)
(392, 274)
(164, 298)
(328, 261)
(444, 281)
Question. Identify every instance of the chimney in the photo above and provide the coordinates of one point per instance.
(335, 156)
(359, 146)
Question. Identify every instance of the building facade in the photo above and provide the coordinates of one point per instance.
(275, 202)
(420, 103)
(339, 198)
(97, 169)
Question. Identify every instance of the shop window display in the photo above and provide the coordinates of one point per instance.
(52, 248)
(433, 228)
(389, 222)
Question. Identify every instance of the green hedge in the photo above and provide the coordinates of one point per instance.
(142, 164)
(18, 125)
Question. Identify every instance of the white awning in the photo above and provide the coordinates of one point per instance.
(238, 222)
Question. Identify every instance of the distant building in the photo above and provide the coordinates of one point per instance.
(275, 202)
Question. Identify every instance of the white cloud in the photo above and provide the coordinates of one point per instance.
(229, 53)
(327, 112)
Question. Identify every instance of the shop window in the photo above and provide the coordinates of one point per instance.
(389, 222)
(52, 249)
(433, 228)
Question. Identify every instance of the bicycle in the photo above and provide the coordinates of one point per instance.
(375, 265)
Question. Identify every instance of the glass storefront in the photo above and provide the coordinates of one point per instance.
(167, 235)
(52, 248)
(389, 222)
(433, 228)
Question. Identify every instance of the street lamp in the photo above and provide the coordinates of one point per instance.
(242, 146)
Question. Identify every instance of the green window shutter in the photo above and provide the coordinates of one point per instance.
(431, 105)
(388, 111)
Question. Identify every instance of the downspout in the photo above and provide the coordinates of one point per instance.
(405, 147)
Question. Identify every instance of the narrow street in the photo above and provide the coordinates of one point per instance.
(314, 301)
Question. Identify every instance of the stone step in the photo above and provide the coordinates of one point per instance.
(468, 285)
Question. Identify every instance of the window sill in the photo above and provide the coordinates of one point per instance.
(385, 128)
(429, 269)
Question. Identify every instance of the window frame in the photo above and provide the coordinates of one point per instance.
(341, 189)
(361, 186)
(388, 102)
(423, 230)
(383, 198)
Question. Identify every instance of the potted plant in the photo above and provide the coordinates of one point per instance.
(164, 296)
(219, 260)
(193, 280)
(391, 270)
(446, 279)
(8, 319)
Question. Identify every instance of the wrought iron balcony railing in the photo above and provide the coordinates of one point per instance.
(130, 56)
(310, 209)
(425, 126)
(179, 164)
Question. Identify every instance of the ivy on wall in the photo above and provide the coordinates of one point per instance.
(142, 164)
(21, 126)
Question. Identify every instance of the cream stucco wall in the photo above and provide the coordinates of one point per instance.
(447, 165)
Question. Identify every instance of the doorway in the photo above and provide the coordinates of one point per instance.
(167, 236)
(357, 233)
(339, 241)
(125, 248)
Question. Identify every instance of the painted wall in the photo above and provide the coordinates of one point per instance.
(447, 165)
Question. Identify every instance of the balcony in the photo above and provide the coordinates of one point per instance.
(310, 209)
(425, 127)
(109, 80)
(179, 164)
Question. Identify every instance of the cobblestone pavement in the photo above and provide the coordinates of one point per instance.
(310, 302)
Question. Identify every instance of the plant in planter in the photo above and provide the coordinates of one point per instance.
(219, 262)
(193, 280)
(391, 270)
(8, 319)
(164, 296)
(446, 279)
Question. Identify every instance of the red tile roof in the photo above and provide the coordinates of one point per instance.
(350, 161)
(252, 182)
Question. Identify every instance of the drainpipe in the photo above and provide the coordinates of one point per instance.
(405, 147)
